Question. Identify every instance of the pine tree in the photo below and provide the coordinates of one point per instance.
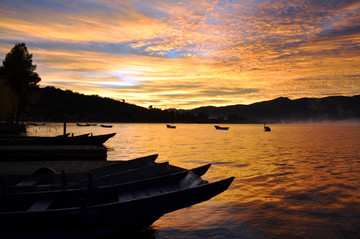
(18, 74)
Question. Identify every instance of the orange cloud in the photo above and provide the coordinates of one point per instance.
(190, 53)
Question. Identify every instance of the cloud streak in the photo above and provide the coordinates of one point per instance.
(186, 54)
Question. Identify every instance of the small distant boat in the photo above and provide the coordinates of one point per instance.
(86, 124)
(171, 126)
(106, 126)
(35, 124)
(266, 128)
(221, 128)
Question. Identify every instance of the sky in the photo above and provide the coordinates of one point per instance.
(186, 54)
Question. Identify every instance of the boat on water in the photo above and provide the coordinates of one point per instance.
(34, 173)
(35, 124)
(84, 139)
(79, 124)
(220, 127)
(56, 214)
(171, 126)
(91, 179)
(106, 126)
(266, 128)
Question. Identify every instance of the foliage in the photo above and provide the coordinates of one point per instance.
(8, 101)
(57, 105)
(19, 81)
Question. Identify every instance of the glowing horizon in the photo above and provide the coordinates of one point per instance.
(186, 54)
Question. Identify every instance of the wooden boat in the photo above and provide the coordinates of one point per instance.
(13, 137)
(86, 124)
(56, 214)
(83, 139)
(94, 139)
(52, 172)
(35, 124)
(171, 126)
(43, 140)
(88, 180)
(106, 126)
(221, 128)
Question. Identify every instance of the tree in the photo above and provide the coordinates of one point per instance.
(19, 79)
(8, 101)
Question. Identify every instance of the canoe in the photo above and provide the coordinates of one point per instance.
(86, 124)
(87, 180)
(50, 172)
(53, 214)
(13, 153)
(83, 139)
(221, 128)
(94, 139)
(106, 126)
(35, 124)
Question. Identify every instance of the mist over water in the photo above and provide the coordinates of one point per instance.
(297, 181)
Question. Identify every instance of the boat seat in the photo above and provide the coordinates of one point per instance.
(189, 181)
(27, 183)
(139, 194)
(40, 205)
(166, 188)
(125, 196)
(153, 191)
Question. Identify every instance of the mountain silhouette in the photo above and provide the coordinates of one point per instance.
(285, 110)
(55, 105)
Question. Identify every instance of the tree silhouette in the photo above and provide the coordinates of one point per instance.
(19, 80)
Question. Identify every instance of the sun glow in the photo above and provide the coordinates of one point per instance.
(188, 54)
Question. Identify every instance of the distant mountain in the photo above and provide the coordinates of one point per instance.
(286, 110)
(57, 105)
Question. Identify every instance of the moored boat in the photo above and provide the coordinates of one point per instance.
(84, 139)
(220, 127)
(92, 179)
(104, 208)
(171, 126)
(106, 126)
(79, 124)
(49, 172)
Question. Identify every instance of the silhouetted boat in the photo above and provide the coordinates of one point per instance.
(94, 139)
(21, 174)
(91, 179)
(86, 124)
(221, 128)
(55, 214)
(171, 126)
(106, 126)
(35, 124)
(266, 128)
(83, 139)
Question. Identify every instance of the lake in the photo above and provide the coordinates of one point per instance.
(297, 181)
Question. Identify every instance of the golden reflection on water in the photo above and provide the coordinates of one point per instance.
(297, 181)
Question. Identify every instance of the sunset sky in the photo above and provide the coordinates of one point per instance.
(185, 54)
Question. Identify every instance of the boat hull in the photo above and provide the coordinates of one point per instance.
(106, 217)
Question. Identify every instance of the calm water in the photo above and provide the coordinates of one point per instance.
(297, 181)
